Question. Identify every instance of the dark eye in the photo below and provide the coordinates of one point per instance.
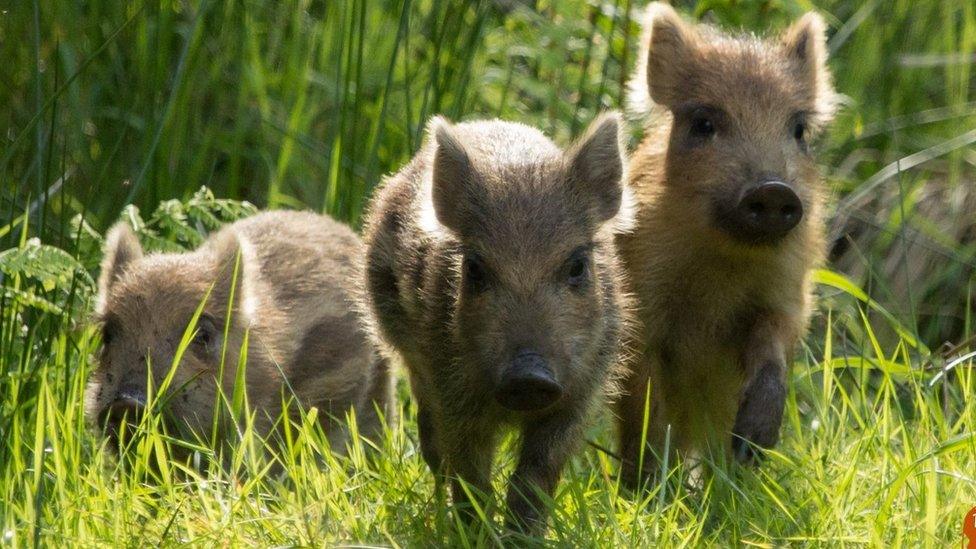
(800, 131)
(702, 127)
(110, 331)
(578, 268)
(474, 271)
(703, 122)
(206, 335)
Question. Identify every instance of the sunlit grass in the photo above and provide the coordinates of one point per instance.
(869, 457)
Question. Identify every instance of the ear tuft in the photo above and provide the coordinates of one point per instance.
(805, 43)
(228, 253)
(597, 166)
(805, 40)
(451, 174)
(666, 51)
(121, 248)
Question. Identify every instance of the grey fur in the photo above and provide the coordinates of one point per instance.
(297, 298)
(504, 193)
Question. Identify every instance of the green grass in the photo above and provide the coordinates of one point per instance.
(304, 103)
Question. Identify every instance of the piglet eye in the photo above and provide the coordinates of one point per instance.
(474, 271)
(578, 269)
(109, 333)
(800, 131)
(206, 334)
(702, 126)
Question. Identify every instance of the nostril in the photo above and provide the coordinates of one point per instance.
(766, 211)
(528, 383)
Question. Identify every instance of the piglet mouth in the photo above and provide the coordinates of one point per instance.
(121, 418)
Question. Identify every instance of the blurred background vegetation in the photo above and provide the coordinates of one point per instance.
(308, 103)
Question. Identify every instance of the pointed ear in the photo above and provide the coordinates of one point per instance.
(596, 167)
(805, 44)
(228, 268)
(121, 248)
(667, 55)
(453, 176)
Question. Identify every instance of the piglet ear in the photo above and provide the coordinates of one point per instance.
(667, 55)
(596, 167)
(121, 249)
(805, 44)
(806, 40)
(228, 254)
(453, 181)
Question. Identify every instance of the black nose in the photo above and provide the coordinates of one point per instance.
(528, 384)
(769, 210)
(123, 414)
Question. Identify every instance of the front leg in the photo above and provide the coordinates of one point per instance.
(425, 395)
(546, 445)
(468, 449)
(428, 441)
(763, 396)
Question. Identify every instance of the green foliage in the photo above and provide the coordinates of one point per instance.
(178, 226)
(44, 277)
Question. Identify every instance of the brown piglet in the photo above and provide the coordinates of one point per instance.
(729, 207)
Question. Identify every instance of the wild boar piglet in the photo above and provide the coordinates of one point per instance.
(728, 227)
(294, 300)
(492, 275)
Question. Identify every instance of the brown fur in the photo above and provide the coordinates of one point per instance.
(719, 317)
(295, 298)
(503, 193)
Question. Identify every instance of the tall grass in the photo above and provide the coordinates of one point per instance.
(876, 452)
(304, 103)
(295, 103)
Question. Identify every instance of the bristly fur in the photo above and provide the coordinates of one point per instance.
(503, 193)
(295, 298)
(718, 317)
(640, 106)
(121, 248)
